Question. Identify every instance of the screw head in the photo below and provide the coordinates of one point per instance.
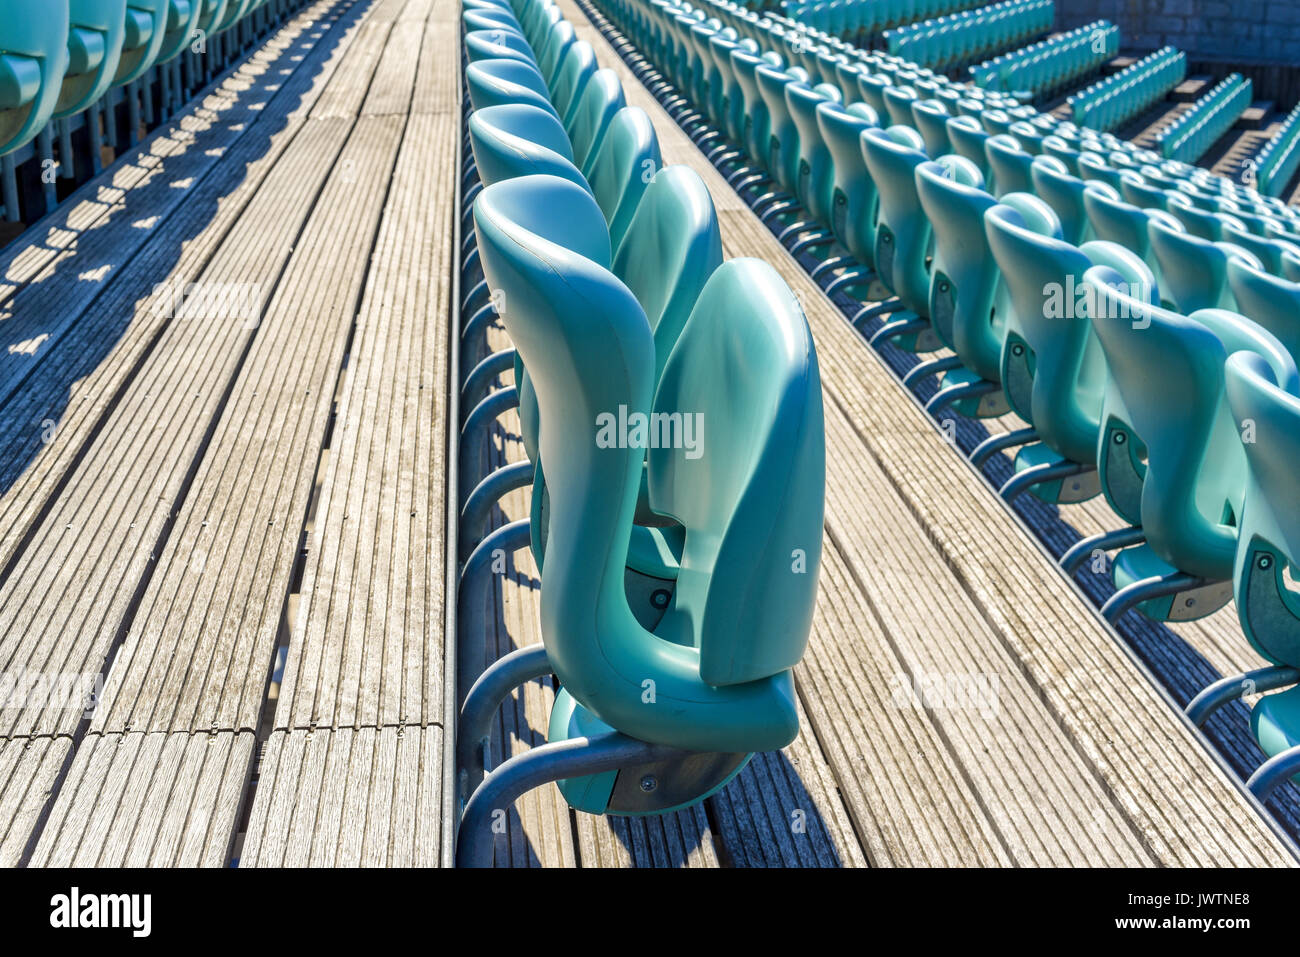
(648, 783)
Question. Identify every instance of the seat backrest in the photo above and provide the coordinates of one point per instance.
(964, 275)
(902, 229)
(1059, 188)
(590, 355)
(497, 45)
(516, 139)
(1269, 300)
(1168, 370)
(182, 20)
(600, 100)
(814, 185)
(1051, 366)
(34, 41)
(1009, 164)
(1193, 271)
(853, 194)
(746, 366)
(1268, 419)
(670, 249)
(623, 167)
(498, 82)
(571, 80)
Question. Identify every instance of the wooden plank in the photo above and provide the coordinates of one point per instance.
(156, 179)
(367, 645)
(87, 208)
(72, 587)
(348, 798)
(1080, 687)
(155, 800)
(47, 422)
(29, 768)
(200, 648)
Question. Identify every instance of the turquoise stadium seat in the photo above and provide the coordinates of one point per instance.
(97, 32)
(34, 41)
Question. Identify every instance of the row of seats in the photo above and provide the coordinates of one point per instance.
(1196, 130)
(1109, 103)
(890, 85)
(961, 37)
(1155, 365)
(57, 57)
(678, 577)
(1279, 158)
(1052, 63)
(863, 19)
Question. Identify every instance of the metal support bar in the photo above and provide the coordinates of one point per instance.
(951, 396)
(899, 327)
(1157, 586)
(475, 577)
(1229, 689)
(478, 506)
(482, 375)
(554, 761)
(482, 702)
(822, 238)
(1048, 472)
(996, 443)
(1274, 772)
(923, 370)
(884, 308)
(1078, 553)
(474, 432)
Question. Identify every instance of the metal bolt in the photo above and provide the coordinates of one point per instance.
(648, 783)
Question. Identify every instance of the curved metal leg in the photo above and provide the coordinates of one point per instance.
(923, 370)
(486, 494)
(848, 278)
(482, 375)
(1229, 689)
(1130, 596)
(481, 705)
(946, 397)
(553, 761)
(822, 238)
(752, 179)
(797, 227)
(476, 326)
(1274, 772)
(996, 443)
(835, 262)
(883, 308)
(1023, 481)
(776, 209)
(899, 327)
(474, 431)
(1079, 552)
(474, 580)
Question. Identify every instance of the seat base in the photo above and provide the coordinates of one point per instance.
(1275, 720)
(1137, 564)
(1067, 491)
(989, 406)
(657, 788)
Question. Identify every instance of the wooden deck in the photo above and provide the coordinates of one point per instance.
(239, 523)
